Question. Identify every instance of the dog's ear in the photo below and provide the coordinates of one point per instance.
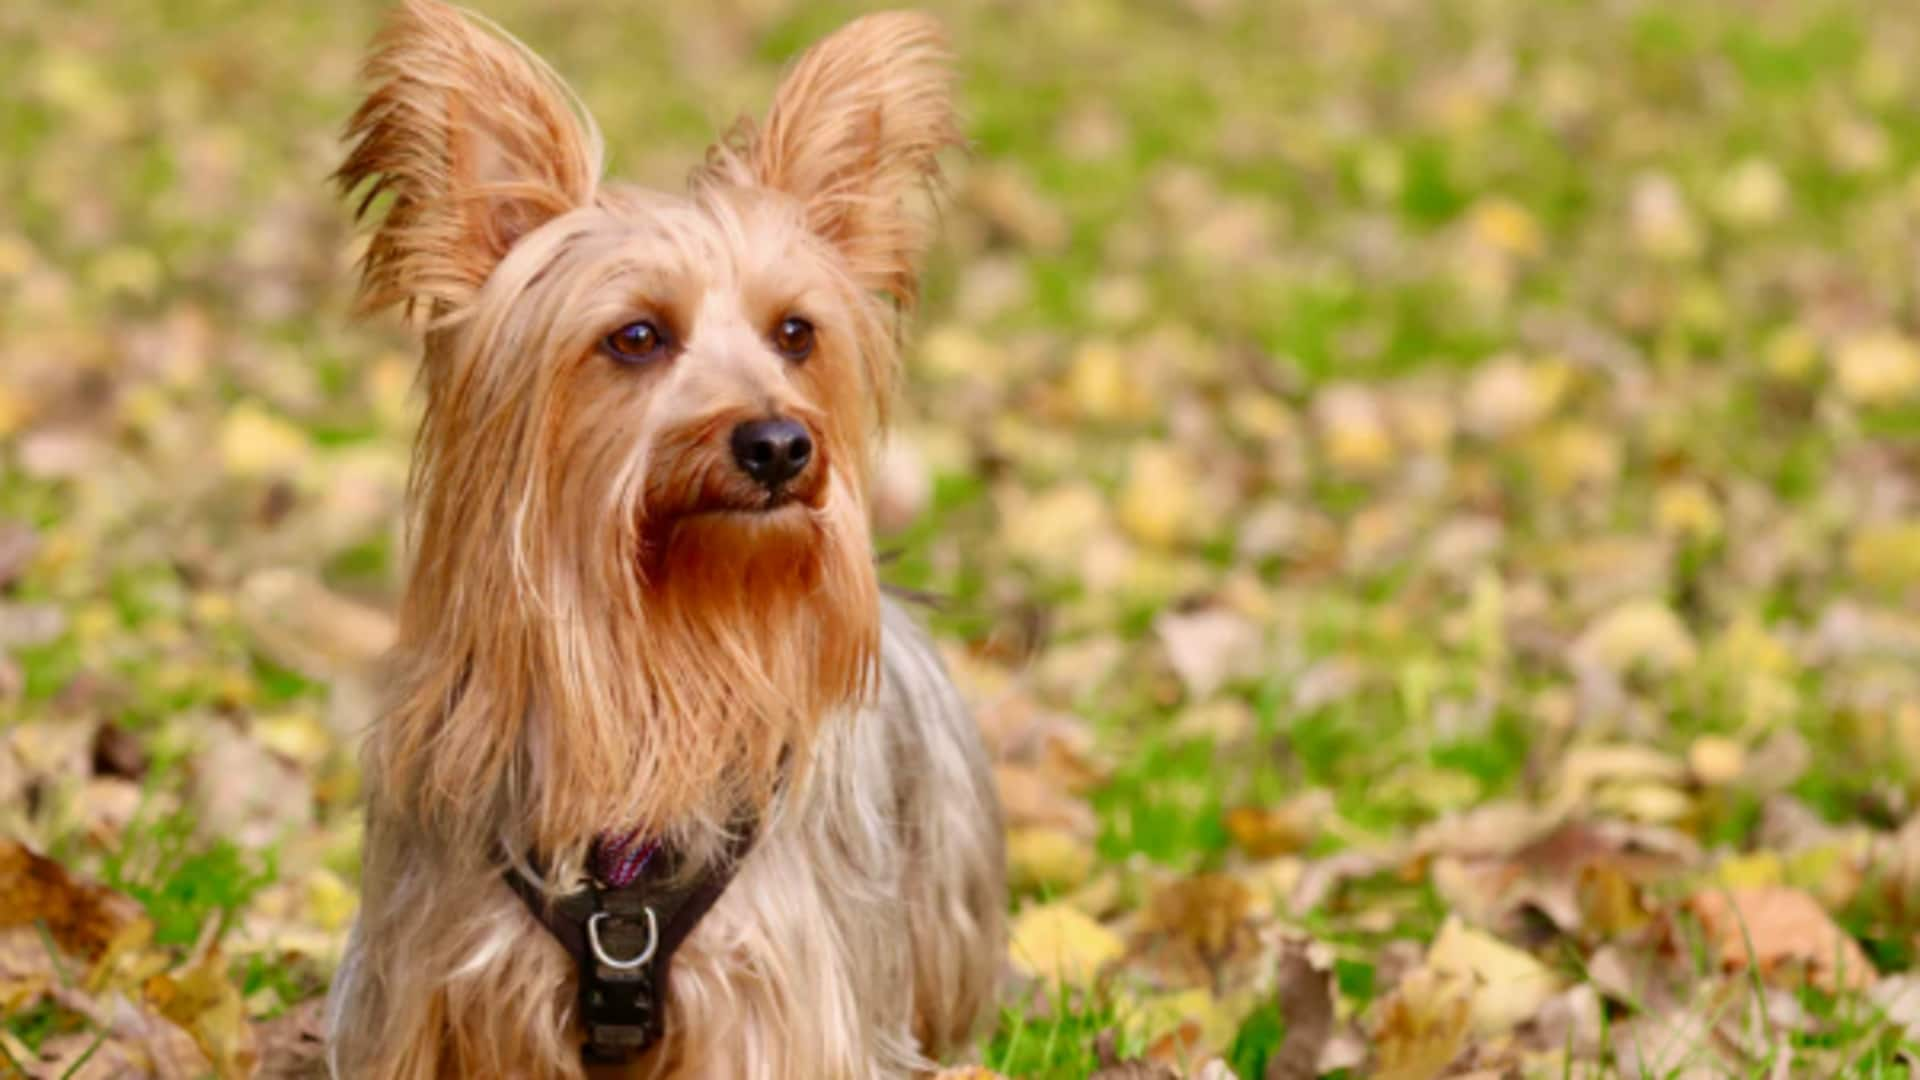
(855, 126)
(475, 140)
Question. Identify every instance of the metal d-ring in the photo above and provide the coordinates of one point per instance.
(646, 954)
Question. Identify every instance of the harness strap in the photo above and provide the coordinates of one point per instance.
(622, 936)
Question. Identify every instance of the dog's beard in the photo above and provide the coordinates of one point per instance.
(682, 711)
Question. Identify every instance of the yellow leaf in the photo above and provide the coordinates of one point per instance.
(1051, 528)
(1058, 944)
(1421, 1027)
(1716, 760)
(1353, 431)
(1886, 556)
(13, 410)
(201, 1000)
(1757, 870)
(254, 442)
(1506, 226)
(1833, 871)
(1686, 509)
(1609, 901)
(1047, 858)
(1753, 193)
(1878, 368)
(1573, 455)
(330, 902)
(1639, 634)
(298, 736)
(1791, 354)
(1509, 985)
(1104, 386)
(1157, 505)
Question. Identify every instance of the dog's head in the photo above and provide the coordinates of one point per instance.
(645, 451)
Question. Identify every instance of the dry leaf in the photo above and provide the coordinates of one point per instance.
(1209, 648)
(1307, 996)
(1058, 945)
(1508, 986)
(1782, 933)
(87, 921)
(1263, 832)
(199, 998)
(1047, 859)
(1420, 1028)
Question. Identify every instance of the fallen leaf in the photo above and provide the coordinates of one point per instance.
(1781, 933)
(199, 998)
(1046, 859)
(307, 627)
(254, 442)
(1637, 635)
(1508, 985)
(1878, 368)
(1209, 648)
(1420, 1028)
(1716, 760)
(1306, 992)
(293, 1045)
(1265, 831)
(1060, 946)
(1028, 796)
(87, 921)
(1886, 556)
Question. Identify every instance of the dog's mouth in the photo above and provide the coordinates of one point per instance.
(771, 504)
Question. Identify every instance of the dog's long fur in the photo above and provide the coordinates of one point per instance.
(605, 629)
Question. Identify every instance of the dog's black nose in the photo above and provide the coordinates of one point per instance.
(772, 451)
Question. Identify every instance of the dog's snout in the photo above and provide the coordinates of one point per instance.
(772, 451)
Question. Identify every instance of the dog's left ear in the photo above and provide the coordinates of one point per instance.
(477, 142)
(856, 125)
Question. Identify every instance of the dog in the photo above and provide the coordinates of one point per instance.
(661, 784)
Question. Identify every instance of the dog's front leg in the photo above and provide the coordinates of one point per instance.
(446, 973)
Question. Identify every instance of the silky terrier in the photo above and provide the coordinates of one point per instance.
(661, 783)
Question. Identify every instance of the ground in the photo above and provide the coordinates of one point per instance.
(1424, 497)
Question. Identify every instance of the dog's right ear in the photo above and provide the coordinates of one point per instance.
(476, 141)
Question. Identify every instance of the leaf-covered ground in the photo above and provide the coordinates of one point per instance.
(1424, 495)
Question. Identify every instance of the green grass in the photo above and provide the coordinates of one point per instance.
(1257, 203)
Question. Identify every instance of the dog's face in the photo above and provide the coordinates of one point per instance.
(692, 381)
(641, 475)
(684, 377)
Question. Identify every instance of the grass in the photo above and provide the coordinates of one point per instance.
(1313, 233)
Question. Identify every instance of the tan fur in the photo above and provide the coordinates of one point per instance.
(602, 631)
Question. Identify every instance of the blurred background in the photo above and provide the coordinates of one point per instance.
(1423, 496)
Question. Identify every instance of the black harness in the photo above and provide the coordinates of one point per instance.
(622, 940)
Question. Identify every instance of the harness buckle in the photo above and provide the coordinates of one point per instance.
(600, 952)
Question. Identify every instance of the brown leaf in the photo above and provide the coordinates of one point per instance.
(1195, 929)
(128, 1041)
(18, 544)
(202, 1001)
(1306, 1001)
(1780, 932)
(305, 626)
(1029, 797)
(1266, 831)
(1113, 1067)
(118, 753)
(293, 1045)
(88, 921)
(1421, 1027)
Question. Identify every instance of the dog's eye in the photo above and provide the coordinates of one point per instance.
(794, 338)
(635, 343)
